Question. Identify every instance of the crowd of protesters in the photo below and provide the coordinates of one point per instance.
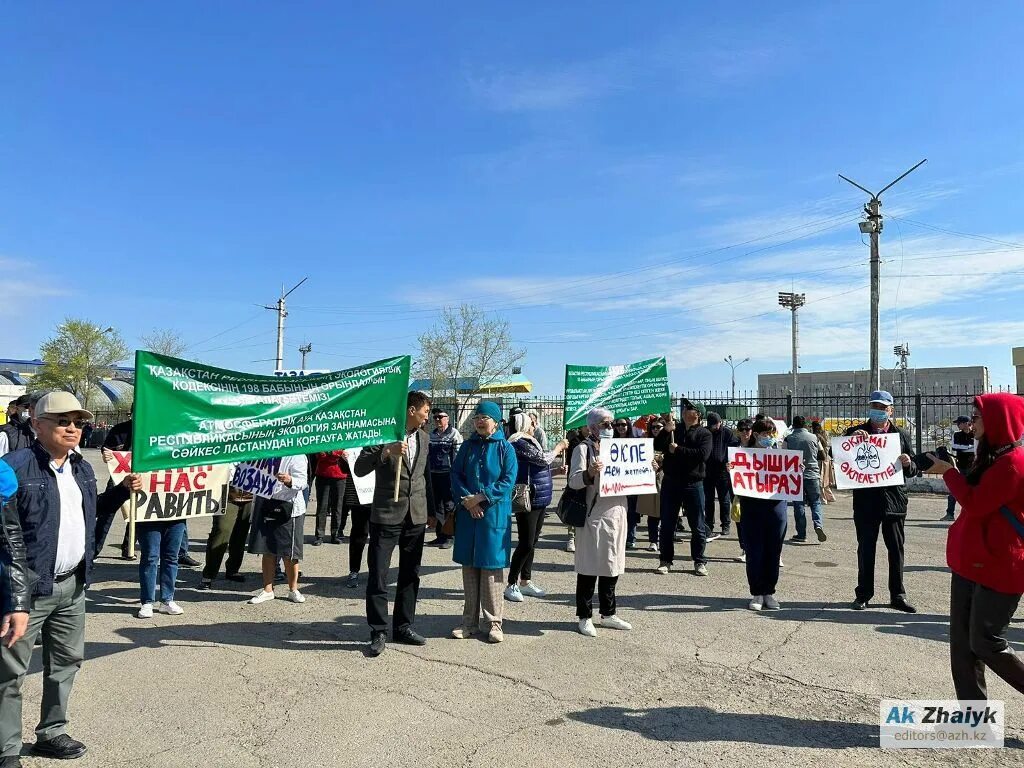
(469, 492)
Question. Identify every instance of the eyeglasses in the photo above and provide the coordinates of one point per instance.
(621, 424)
(657, 426)
(605, 424)
(975, 417)
(481, 417)
(64, 422)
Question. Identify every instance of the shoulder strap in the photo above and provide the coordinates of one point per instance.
(1013, 520)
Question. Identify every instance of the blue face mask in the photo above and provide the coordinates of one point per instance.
(876, 415)
(766, 442)
(606, 434)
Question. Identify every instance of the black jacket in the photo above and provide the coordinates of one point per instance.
(19, 434)
(721, 440)
(33, 517)
(687, 464)
(890, 500)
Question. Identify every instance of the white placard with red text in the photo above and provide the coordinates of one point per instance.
(628, 467)
(174, 494)
(765, 473)
(867, 462)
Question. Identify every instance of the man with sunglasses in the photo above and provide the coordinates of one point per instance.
(49, 525)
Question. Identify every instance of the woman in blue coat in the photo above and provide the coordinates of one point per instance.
(483, 477)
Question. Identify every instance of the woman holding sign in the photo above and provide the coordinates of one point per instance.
(277, 519)
(985, 548)
(764, 528)
(601, 540)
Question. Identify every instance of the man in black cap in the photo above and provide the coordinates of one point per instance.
(963, 450)
(716, 476)
(17, 432)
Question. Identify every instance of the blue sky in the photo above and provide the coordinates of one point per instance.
(619, 182)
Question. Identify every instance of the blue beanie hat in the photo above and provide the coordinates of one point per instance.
(488, 408)
(8, 481)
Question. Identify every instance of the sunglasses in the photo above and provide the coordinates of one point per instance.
(744, 429)
(605, 424)
(621, 424)
(64, 422)
(657, 426)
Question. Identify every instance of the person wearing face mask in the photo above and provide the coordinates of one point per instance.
(882, 509)
(684, 467)
(601, 541)
(17, 432)
(764, 529)
(985, 548)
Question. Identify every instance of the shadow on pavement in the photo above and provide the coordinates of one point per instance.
(698, 724)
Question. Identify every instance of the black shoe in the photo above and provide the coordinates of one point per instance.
(859, 605)
(408, 636)
(318, 541)
(903, 605)
(435, 543)
(947, 518)
(713, 536)
(236, 577)
(726, 532)
(205, 584)
(820, 533)
(60, 747)
(14, 761)
(335, 539)
(799, 539)
(189, 562)
(279, 577)
(378, 640)
(446, 544)
(126, 556)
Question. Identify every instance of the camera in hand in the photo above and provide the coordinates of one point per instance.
(924, 463)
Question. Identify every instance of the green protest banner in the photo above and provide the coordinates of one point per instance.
(187, 413)
(625, 390)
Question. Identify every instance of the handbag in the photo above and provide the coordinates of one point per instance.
(735, 511)
(572, 506)
(275, 511)
(521, 498)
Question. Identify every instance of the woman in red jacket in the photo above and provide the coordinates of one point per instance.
(985, 548)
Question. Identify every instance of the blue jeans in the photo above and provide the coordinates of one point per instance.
(950, 505)
(183, 551)
(812, 496)
(716, 482)
(159, 543)
(691, 498)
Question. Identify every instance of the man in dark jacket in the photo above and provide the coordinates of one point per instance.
(17, 432)
(683, 484)
(716, 476)
(444, 444)
(49, 527)
(962, 449)
(400, 523)
(882, 508)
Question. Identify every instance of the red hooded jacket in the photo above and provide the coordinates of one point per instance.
(983, 546)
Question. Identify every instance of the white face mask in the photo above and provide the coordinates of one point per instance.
(24, 415)
(606, 434)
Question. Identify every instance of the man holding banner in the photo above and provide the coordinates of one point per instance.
(876, 505)
(683, 485)
(403, 501)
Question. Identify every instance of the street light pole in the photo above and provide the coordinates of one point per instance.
(734, 366)
(793, 302)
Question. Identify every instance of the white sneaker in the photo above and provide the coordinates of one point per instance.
(614, 622)
(571, 546)
(171, 608)
(532, 590)
(781, 564)
(262, 597)
(146, 611)
(663, 569)
(587, 628)
(756, 603)
(771, 603)
(512, 593)
(742, 558)
(652, 548)
(296, 597)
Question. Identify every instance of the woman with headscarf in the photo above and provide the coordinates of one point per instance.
(601, 540)
(533, 491)
(483, 476)
(985, 548)
(764, 528)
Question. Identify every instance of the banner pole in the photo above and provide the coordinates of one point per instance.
(398, 476)
(131, 522)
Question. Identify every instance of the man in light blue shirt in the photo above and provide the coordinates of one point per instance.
(801, 439)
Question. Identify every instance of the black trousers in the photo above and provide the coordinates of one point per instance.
(359, 535)
(383, 540)
(691, 498)
(978, 620)
(716, 482)
(868, 522)
(329, 493)
(444, 504)
(529, 525)
(585, 595)
(764, 532)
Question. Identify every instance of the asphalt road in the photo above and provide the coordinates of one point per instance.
(700, 681)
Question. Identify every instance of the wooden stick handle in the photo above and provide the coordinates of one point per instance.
(398, 476)
(132, 511)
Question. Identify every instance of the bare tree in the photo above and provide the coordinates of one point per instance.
(163, 341)
(79, 355)
(466, 348)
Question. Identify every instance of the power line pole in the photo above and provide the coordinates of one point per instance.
(304, 350)
(872, 225)
(793, 302)
(282, 313)
(734, 366)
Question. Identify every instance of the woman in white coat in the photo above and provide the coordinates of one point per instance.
(601, 541)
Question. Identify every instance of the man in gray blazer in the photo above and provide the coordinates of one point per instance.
(399, 523)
